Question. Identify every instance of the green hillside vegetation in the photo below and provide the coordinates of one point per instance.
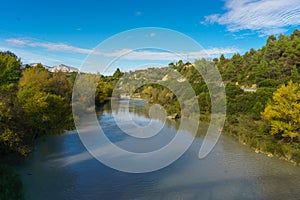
(268, 119)
(262, 91)
(159, 86)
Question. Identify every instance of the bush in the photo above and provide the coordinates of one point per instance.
(269, 83)
(296, 155)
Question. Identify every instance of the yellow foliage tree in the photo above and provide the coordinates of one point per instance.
(283, 112)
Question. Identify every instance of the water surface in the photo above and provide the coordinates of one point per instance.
(61, 168)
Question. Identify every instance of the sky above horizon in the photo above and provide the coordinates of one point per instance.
(55, 32)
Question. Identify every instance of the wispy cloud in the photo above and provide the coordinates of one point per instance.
(167, 56)
(17, 42)
(31, 57)
(35, 55)
(127, 54)
(264, 16)
(58, 47)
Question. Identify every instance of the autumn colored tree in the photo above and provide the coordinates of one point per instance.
(283, 113)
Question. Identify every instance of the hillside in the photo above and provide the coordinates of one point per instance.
(253, 81)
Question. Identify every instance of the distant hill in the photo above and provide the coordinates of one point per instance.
(61, 67)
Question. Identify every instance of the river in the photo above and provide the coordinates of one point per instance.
(61, 168)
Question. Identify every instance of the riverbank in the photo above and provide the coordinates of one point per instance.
(253, 134)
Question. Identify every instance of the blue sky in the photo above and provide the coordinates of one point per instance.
(54, 32)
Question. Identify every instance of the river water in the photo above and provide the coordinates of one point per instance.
(61, 168)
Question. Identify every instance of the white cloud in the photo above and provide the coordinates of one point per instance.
(264, 16)
(37, 56)
(167, 56)
(126, 54)
(59, 47)
(17, 42)
(30, 57)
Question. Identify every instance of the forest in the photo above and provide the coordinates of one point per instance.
(262, 93)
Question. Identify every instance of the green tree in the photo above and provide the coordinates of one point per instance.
(44, 102)
(35, 78)
(118, 73)
(10, 67)
(294, 74)
(10, 71)
(103, 91)
(61, 84)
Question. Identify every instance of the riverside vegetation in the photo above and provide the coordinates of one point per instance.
(35, 102)
(262, 93)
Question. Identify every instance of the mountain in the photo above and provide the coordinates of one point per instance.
(63, 68)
